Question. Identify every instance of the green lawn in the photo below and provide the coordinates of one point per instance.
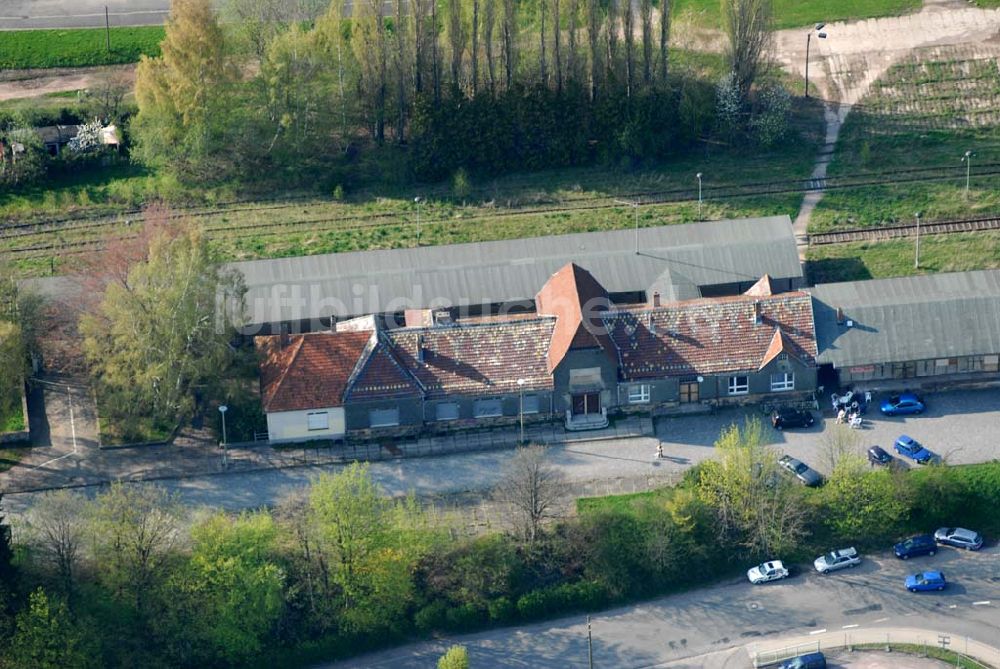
(876, 260)
(11, 419)
(78, 47)
(924, 113)
(796, 13)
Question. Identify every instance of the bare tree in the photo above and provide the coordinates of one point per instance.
(419, 18)
(646, 12)
(105, 96)
(489, 23)
(510, 40)
(542, 69)
(664, 39)
(402, 67)
(456, 37)
(557, 44)
(57, 532)
(594, 39)
(571, 47)
(628, 19)
(611, 41)
(837, 444)
(475, 47)
(134, 528)
(530, 486)
(748, 28)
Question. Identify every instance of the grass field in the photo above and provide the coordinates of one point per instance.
(924, 113)
(12, 420)
(77, 47)
(795, 13)
(877, 260)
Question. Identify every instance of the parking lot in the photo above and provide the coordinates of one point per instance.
(960, 426)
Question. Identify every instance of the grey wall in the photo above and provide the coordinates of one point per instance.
(585, 359)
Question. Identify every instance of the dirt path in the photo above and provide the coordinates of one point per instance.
(845, 64)
(16, 84)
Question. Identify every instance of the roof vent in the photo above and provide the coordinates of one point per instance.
(850, 323)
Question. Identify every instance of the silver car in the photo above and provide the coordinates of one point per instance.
(845, 557)
(959, 537)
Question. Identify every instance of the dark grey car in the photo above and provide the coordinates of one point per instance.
(802, 471)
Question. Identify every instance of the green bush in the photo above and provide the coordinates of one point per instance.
(501, 610)
(562, 598)
(431, 617)
(464, 617)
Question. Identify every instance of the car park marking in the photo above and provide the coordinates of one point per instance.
(985, 602)
(881, 620)
(953, 606)
(847, 627)
(818, 631)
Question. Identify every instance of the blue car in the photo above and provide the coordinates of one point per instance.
(923, 544)
(912, 449)
(928, 580)
(899, 405)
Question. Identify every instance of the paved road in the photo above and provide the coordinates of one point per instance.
(960, 425)
(24, 14)
(717, 626)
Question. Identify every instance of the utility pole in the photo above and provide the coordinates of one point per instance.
(590, 646)
(967, 159)
(916, 260)
(107, 27)
(699, 194)
(821, 35)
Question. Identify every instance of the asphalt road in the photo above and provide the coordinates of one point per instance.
(717, 626)
(25, 14)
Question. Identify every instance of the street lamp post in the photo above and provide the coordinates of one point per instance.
(916, 259)
(698, 176)
(222, 410)
(967, 159)
(821, 35)
(520, 411)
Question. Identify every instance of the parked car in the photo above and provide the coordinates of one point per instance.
(913, 449)
(959, 537)
(878, 456)
(839, 559)
(923, 544)
(802, 471)
(902, 404)
(808, 661)
(789, 417)
(928, 580)
(768, 571)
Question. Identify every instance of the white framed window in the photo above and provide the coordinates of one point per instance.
(530, 404)
(782, 381)
(487, 408)
(638, 393)
(446, 411)
(739, 385)
(318, 420)
(383, 417)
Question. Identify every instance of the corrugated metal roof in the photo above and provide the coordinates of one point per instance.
(908, 318)
(348, 284)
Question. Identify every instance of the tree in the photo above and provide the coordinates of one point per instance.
(747, 25)
(255, 23)
(757, 508)
(839, 443)
(457, 657)
(457, 37)
(368, 547)
(370, 44)
(57, 531)
(105, 97)
(186, 111)
(163, 326)
(489, 23)
(134, 528)
(22, 156)
(13, 366)
(646, 14)
(509, 41)
(88, 138)
(865, 505)
(232, 586)
(46, 637)
(665, 8)
(530, 487)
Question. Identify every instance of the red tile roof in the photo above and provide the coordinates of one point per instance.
(712, 336)
(382, 376)
(476, 359)
(310, 371)
(577, 301)
(780, 343)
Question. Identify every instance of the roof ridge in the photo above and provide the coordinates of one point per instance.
(541, 318)
(361, 362)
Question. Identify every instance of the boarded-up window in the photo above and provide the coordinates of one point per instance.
(488, 408)
(383, 417)
(446, 411)
(318, 420)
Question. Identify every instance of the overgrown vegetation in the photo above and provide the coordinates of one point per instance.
(798, 13)
(77, 47)
(120, 580)
(922, 115)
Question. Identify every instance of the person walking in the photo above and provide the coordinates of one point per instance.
(659, 451)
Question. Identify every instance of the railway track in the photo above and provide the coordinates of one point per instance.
(41, 238)
(886, 232)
